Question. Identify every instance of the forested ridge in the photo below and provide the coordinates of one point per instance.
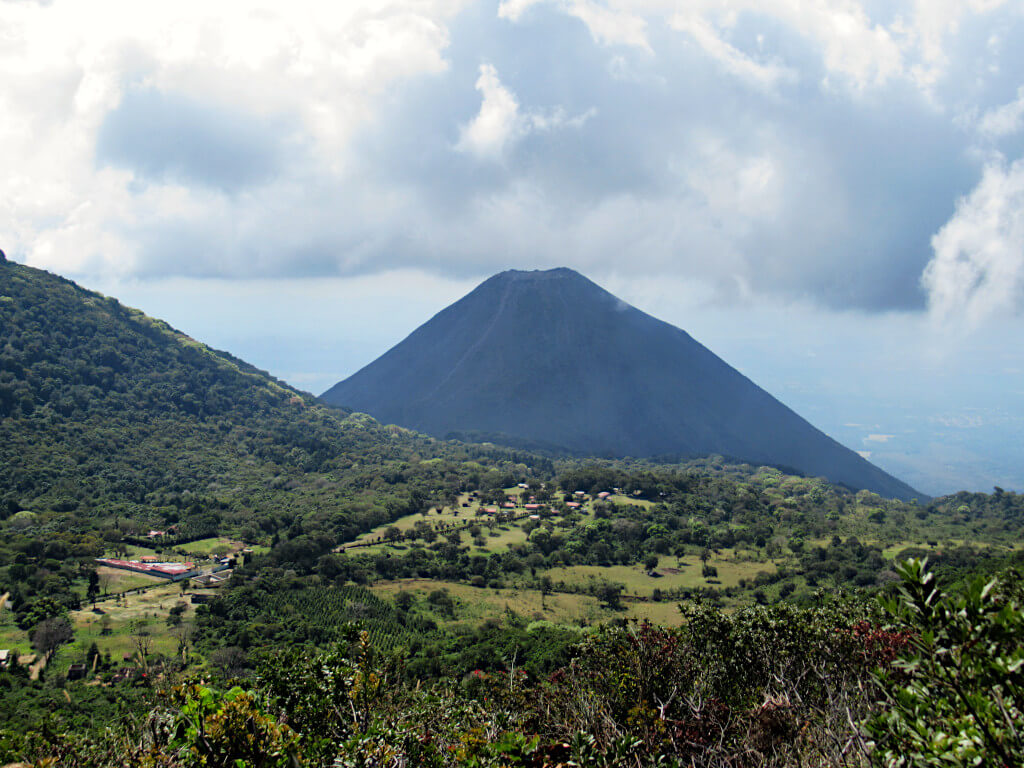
(105, 412)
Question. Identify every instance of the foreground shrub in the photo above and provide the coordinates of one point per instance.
(955, 697)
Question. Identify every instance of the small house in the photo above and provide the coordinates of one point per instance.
(76, 671)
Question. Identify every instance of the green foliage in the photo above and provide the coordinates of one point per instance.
(227, 730)
(957, 696)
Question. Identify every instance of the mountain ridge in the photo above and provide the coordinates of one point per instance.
(551, 357)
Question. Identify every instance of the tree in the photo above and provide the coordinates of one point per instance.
(51, 634)
(958, 695)
(93, 590)
(610, 594)
(142, 641)
(651, 562)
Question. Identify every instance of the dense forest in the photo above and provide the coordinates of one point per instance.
(392, 599)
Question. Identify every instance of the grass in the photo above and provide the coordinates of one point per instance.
(506, 535)
(457, 515)
(636, 581)
(117, 580)
(146, 611)
(476, 604)
(133, 615)
(206, 547)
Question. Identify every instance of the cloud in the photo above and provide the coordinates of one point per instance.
(1005, 120)
(606, 25)
(765, 149)
(732, 60)
(499, 124)
(170, 137)
(977, 271)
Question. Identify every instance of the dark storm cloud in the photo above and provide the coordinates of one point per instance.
(170, 137)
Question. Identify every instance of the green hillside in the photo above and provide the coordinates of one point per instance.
(112, 416)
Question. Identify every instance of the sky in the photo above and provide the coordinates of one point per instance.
(828, 194)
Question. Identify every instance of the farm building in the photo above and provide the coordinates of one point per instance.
(211, 580)
(172, 571)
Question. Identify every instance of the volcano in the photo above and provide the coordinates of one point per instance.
(549, 359)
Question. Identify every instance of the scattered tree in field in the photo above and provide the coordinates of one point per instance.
(52, 633)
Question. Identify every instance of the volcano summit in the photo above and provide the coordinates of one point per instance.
(548, 358)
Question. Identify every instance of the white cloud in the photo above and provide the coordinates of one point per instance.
(1005, 120)
(499, 124)
(912, 40)
(977, 271)
(731, 59)
(64, 67)
(607, 25)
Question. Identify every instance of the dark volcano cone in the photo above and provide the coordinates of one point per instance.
(550, 358)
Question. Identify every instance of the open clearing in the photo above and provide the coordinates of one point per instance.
(113, 580)
(687, 573)
(139, 614)
(476, 604)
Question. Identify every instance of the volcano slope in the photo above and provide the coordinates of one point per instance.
(550, 359)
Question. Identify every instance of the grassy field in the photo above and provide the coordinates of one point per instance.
(676, 573)
(458, 515)
(144, 613)
(114, 580)
(206, 547)
(476, 604)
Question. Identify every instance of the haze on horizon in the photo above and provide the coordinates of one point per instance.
(830, 197)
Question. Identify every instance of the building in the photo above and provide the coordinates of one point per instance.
(172, 571)
(211, 580)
